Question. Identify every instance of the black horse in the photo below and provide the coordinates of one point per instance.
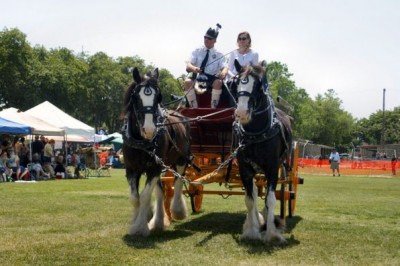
(264, 134)
(154, 139)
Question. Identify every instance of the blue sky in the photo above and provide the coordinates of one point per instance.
(350, 46)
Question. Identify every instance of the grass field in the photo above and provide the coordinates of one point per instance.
(338, 221)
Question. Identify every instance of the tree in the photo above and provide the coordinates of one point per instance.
(15, 62)
(105, 84)
(325, 122)
(281, 85)
(370, 130)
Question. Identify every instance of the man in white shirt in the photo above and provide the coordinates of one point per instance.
(208, 65)
(334, 159)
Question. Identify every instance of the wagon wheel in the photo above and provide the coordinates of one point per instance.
(293, 178)
(196, 197)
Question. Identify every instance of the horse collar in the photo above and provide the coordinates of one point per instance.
(247, 138)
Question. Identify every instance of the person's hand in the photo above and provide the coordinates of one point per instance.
(222, 75)
(197, 70)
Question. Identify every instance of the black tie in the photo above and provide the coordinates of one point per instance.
(204, 63)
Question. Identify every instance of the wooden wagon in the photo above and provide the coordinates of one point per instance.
(211, 136)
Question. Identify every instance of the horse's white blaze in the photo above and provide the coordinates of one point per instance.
(251, 227)
(242, 110)
(178, 204)
(149, 128)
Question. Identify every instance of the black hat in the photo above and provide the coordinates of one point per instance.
(213, 33)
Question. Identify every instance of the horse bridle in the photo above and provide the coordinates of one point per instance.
(258, 96)
(140, 112)
(253, 98)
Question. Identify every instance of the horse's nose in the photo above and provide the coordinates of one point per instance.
(149, 128)
(148, 133)
(241, 115)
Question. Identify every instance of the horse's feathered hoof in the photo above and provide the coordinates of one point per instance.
(159, 225)
(274, 237)
(139, 231)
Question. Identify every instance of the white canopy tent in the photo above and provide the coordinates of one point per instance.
(75, 130)
(38, 126)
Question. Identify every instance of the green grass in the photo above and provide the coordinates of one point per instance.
(338, 221)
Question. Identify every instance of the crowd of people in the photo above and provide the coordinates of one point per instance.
(41, 160)
(18, 162)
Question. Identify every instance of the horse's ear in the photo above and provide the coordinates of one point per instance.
(136, 75)
(154, 73)
(238, 66)
(264, 65)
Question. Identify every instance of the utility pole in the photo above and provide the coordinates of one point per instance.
(383, 121)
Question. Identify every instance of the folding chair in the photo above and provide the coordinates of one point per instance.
(104, 170)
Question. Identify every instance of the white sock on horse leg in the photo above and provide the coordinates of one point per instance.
(191, 97)
(215, 95)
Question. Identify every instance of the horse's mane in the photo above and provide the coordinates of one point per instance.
(127, 98)
(258, 70)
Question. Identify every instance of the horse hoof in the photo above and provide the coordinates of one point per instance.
(142, 231)
(251, 235)
(274, 238)
(159, 225)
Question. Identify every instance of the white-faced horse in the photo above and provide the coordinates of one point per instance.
(264, 134)
(153, 139)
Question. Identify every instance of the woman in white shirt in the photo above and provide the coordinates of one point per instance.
(244, 54)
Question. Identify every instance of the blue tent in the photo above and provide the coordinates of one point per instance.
(7, 126)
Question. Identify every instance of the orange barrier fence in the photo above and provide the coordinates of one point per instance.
(348, 167)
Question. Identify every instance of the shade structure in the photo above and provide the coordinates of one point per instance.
(38, 126)
(75, 130)
(10, 127)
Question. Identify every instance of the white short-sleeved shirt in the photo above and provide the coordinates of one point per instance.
(216, 60)
(334, 156)
(244, 59)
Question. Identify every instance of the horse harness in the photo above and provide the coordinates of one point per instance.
(274, 127)
(149, 146)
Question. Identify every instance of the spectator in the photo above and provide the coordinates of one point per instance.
(47, 158)
(60, 170)
(76, 161)
(14, 164)
(23, 152)
(320, 159)
(44, 142)
(38, 172)
(37, 146)
(394, 162)
(334, 160)
(6, 144)
(5, 172)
